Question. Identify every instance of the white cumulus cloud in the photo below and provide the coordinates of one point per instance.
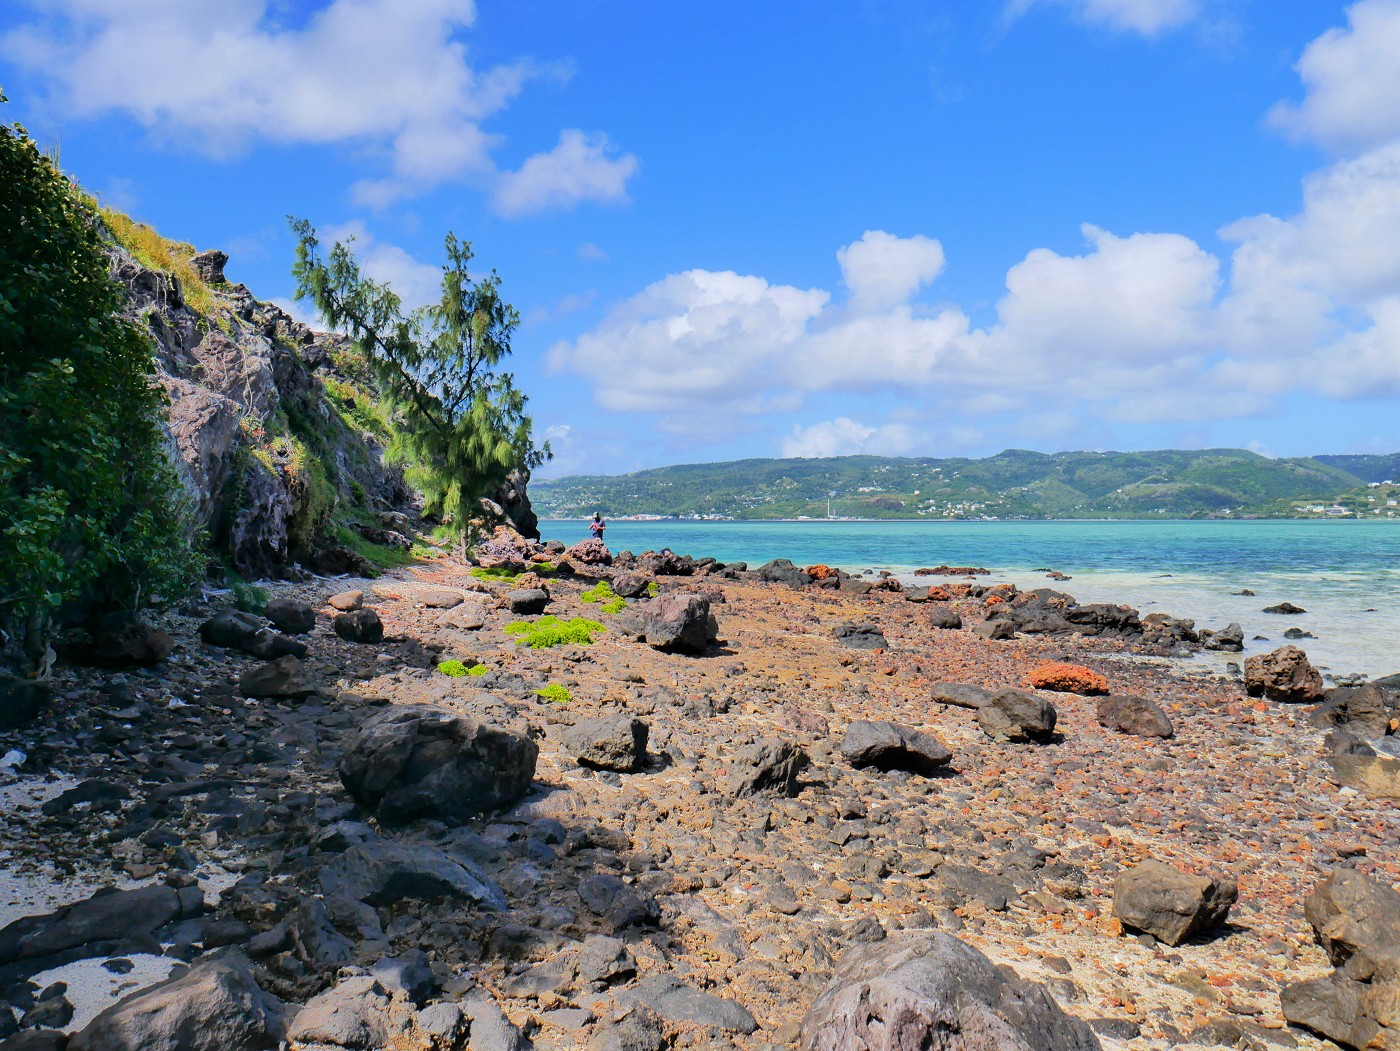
(579, 168)
(843, 436)
(1351, 78)
(881, 269)
(392, 80)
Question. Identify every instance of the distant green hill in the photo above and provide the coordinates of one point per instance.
(1013, 484)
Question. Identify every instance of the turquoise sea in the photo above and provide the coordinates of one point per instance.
(1345, 573)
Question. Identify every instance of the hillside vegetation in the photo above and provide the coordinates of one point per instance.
(1013, 484)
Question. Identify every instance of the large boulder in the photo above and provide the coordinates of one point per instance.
(919, 990)
(1015, 716)
(1169, 904)
(612, 742)
(681, 623)
(214, 1006)
(945, 618)
(889, 746)
(21, 700)
(123, 640)
(1356, 918)
(236, 630)
(527, 602)
(505, 548)
(417, 761)
(354, 1013)
(959, 694)
(1283, 675)
(1137, 716)
(1229, 639)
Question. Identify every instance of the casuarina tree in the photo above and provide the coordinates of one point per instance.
(459, 421)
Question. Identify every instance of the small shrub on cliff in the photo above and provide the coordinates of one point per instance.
(551, 631)
(599, 592)
(459, 423)
(91, 514)
(556, 693)
(454, 669)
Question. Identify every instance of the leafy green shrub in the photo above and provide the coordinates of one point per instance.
(616, 605)
(599, 592)
(653, 589)
(90, 508)
(476, 671)
(249, 597)
(505, 573)
(556, 693)
(551, 631)
(456, 669)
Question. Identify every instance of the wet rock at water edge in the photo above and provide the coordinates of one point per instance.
(1283, 675)
(1169, 904)
(926, 989)
(1229, 639)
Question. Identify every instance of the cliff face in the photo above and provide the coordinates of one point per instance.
(274, 463)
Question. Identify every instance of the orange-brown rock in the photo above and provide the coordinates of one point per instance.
(1066, 678)
(820, 571)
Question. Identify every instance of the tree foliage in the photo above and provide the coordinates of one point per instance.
(89, 505)
(459, 422)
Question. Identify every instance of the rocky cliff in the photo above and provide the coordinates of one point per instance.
(273, 426)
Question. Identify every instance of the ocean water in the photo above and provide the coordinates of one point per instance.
(1345, 573)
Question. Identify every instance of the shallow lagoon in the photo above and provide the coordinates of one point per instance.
(1339, 570)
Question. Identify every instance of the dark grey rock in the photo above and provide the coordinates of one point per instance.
(21, 701)
(679, 622)
(214, 1006)
(604, 959)
(926, 989)
(960, 694)
(361, 625)
(1283, 675)
(1137, 716)
(630, 585)
(945, 618)
(1169, 904)
(620, 904)
(861, 637)
(996, 630)
(290, 615)
(1015, 716)
(675, 1002)
(284, 677)
(782, 571)
(768, 767)
(527, 602)
(1285, 608)
(1364, 711)
(639, 1030)
(416, 761)
(354, 1013)
(104, 917)
(611, 742)
(407, 974)
(1229, 639)
(490, 1028)
(889, 746)
(382, 872)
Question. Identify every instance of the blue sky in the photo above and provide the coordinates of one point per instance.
(741, 229)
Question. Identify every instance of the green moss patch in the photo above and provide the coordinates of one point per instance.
(551, 631)
(556, 693)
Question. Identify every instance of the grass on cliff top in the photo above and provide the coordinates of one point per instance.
(501, 573)
(551, 631)
(158, 253)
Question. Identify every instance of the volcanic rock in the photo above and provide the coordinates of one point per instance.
(417, 761)
(1169, 904)
(889, 746)
(1134, 715)
(927, 989)
(1015, 716)
(1283, 675)
(361, 625)
(769, 767)
(617, 742)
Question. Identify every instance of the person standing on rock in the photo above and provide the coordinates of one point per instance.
(596, 527)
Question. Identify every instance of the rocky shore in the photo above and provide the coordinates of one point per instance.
(388, 820)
